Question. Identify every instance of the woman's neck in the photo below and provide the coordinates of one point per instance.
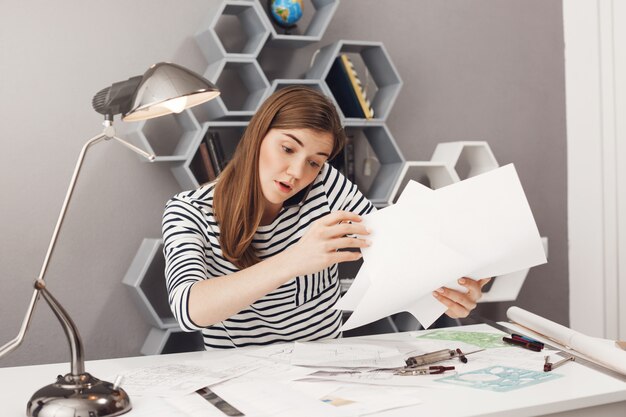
(270, 213)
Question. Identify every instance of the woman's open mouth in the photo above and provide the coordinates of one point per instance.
(284, 187)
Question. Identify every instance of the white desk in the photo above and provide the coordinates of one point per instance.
(583, 391)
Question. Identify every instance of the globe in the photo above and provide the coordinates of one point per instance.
(286, 12)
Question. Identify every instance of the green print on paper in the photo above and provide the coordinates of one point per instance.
(480, 339)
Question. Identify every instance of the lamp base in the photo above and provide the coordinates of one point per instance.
(78, 396)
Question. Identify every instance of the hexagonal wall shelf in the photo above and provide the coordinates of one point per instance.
(507, 287)
(170, 137)
(245, 22)
(432, 174)
(279, 84)
(322, 13)
(146, 279)
(378, 64)
(240, 102)
(467, 158)
(172, 340)
(229, 134)
(390, 158)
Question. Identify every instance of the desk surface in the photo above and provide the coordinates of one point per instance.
(582, 387)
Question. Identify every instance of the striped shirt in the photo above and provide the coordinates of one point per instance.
(300, 309)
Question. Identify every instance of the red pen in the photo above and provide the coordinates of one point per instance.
(526, 345)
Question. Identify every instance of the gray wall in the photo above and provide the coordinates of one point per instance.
(481, 70)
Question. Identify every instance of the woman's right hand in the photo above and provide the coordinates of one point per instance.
(318, 247)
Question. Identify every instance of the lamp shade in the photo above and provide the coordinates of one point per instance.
(168, 88)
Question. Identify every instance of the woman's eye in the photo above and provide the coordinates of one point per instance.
(314, 164)
(287, 150)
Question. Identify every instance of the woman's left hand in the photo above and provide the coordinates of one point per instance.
(459, 303)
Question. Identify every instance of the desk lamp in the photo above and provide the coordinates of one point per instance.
(164, 88)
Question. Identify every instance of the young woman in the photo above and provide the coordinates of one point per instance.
(251, 258)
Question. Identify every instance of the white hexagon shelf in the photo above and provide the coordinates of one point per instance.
(172, 340)
(468, 158)
(378, 64)
(169, 137)
(389, 157)
(246, 24)
(313, 30)
(507, 287)
(146, 279)
(239, 102)
(229, 131)
(432, 174)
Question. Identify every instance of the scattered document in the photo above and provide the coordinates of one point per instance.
(479, 227)
(362, 400)
(271, 398)
(346, 355)
(178, 379)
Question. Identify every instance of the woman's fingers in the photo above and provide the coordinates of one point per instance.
(347, 242)
(473, 287)
(338, 217)
(342, 229)
(459, 304)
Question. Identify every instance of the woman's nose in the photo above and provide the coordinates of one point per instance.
(296, 169)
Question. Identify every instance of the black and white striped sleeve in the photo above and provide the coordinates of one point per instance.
(184, 246)
(343, 194)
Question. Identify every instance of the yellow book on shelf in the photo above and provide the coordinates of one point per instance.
(368, 111)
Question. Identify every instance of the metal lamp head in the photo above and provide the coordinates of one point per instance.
(163, 89)
(168, 88)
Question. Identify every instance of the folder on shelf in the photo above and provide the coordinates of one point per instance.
(346, 87)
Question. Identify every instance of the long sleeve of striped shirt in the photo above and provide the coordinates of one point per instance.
(300, 309)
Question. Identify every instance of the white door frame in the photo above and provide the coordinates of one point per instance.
(595, 72)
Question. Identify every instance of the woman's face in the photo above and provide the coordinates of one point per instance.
(289, 160)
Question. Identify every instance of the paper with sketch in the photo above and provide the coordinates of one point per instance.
(346, 355)
(178, 379)
(479, 227)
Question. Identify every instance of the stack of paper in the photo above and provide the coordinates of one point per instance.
(479, 227)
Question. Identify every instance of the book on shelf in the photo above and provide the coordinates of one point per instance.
(216, 154)
(347, 89)
(201, 165)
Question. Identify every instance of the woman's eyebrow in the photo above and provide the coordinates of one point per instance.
(302, 144)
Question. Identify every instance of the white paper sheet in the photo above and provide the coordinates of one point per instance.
(479, 227)
(346, 355)
(178, 379)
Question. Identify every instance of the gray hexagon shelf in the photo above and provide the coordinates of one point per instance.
(314, 28)
(146, 279)
(389, 157)
(172, 340)
(170, 137)
(234, 103)
(230, 132)
(281, 83)
(376, 61)
(468, 158)
(432, 174)
(246, 26)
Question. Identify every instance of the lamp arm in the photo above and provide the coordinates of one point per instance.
(70, 329)
(108, 133)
